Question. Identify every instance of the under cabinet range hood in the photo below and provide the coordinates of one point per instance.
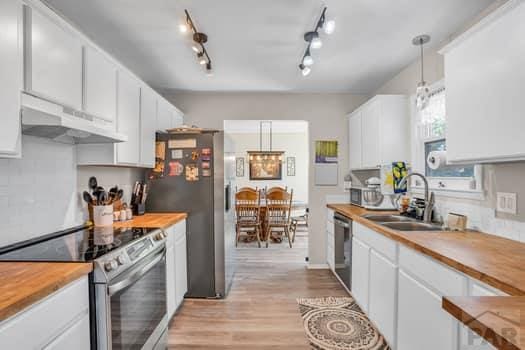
(50, 120)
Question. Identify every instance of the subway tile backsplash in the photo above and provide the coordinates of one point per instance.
(38, 192)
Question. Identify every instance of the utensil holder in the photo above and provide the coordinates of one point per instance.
(139, 209)
(103, 215)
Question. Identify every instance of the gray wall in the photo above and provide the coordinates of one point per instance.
(324, 112)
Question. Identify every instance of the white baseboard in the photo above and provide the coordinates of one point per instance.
(318, 266)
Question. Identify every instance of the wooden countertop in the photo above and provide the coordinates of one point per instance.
(24, 283)
(153, 220)
(496, 319)
(493, 260)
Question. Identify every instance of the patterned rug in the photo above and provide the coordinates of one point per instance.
(339, 324)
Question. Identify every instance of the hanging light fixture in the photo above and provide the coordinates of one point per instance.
(314, 41)
(422, 90)
(199, 39)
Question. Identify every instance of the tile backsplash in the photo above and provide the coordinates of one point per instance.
(38, 192)
(42, 192)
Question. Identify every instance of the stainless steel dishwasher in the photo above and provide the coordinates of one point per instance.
(343, 249)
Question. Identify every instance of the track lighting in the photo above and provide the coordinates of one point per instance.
(314, 41)
(199, 39)
(209, 71)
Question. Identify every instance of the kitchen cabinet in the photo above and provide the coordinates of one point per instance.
(100, 85)
(53, 60)
(58, 322)
(181, 268)
(168, 116)
(355, 140)
(128, 118)
(484, 78)
(170, 272)
(11, 41)
(148, 118)
(360, 273)
(379, 132)
(382, 295)
(330, 240)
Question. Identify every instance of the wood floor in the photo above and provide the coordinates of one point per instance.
(260, 311)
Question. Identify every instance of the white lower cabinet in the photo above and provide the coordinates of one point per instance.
(58, 322)
(330, 240)
(176, 267)
(422, 323)
(360, 273)
(383, 295)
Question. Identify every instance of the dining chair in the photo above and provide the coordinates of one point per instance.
(247, 212)
(278, 208)
(247, 189)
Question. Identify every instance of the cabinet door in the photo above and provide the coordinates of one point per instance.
(148, 118)
(355, 140)
(181, 272)
(383, 298)
(11, 73)
(371, 135)
(54, 57)
(128, 119)
(395, 129)
(75, 337)
(100, 85)
(360, 273)
(422, 323)
(170, 282)
(164, 116)
(178, 119)
(484, 91)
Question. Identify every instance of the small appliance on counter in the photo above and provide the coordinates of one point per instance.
(371, 198)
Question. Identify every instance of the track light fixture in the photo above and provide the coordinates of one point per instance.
(314, 41)
(199, 39)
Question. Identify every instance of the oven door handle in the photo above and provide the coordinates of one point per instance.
(136, 275)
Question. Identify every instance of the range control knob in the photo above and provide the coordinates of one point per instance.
(121, 259)
(110, 265)
(159, 236)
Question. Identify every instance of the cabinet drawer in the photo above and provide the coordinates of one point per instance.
(376, 241)
(439, 277)
(477, 288)
(47, 319)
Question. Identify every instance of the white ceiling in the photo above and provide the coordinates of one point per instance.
(253, 126)
(256, 45)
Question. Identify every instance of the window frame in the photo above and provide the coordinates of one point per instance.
(457, 187)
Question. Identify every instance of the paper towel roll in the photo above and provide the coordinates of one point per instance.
(437, 159)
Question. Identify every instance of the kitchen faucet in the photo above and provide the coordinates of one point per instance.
(429, 198)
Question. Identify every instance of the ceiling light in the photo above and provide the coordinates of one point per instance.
(183, 27)
(199, 39)
(202, 60)
(209, 71)
(422, 90)
(329, 26)
(316, 43)
(196, 48)
(304, 70)
(308, 60)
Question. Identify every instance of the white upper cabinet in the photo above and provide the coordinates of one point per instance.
(11, 42)
(168, 116)
(53, 61)
(484, 79)
(148, 118)
(100, 85)
(128, 118)
(355, 142)
(379, 132)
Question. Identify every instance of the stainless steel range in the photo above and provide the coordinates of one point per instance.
(127, 285)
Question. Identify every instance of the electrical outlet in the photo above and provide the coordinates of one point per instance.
(507, 203)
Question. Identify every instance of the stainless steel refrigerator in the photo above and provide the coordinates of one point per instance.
(189, 176)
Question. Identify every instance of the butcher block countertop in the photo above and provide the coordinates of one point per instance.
(496, 261)
(24, 283)
(153, 220)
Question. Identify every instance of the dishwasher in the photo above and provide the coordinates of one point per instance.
(343, 249)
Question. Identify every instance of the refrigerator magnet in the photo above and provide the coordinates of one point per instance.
(206, 165)
(195, 155)
(177, 154)
(206, 172)
(192, 172)
(206, 152)
(176, 168)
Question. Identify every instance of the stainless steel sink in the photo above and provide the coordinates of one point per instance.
(387, 218)
(412, 226)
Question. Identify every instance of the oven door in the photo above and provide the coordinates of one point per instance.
(137, 305)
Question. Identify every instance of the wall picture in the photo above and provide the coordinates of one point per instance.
(290, 166)
(239, 167)
(326, 152)
(265, 165)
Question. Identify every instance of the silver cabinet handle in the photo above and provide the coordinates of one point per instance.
(341, 223)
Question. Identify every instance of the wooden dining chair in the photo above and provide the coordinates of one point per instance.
(251, 189)
(278, 208)
(247, 212)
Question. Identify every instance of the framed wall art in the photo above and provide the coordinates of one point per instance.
(266, 165)
(290, 166)
(239, 167)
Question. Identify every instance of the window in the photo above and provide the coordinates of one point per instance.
(430, 126)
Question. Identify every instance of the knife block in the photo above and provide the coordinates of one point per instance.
(139, 209)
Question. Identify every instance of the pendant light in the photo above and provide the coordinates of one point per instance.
(422, 90)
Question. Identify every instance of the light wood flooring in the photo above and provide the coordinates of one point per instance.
(261, 311)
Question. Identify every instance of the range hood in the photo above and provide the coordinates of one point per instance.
(47, 119)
